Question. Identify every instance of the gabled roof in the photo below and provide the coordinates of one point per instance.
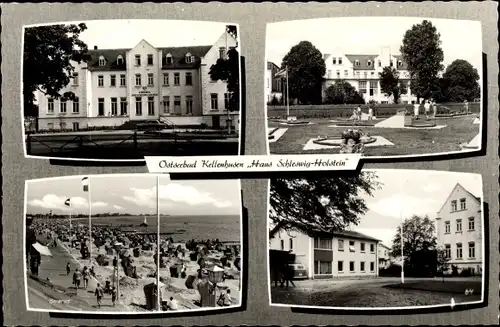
(363, 61)
(272, 65)
(178, 55)
(346, 234)
(458, 185)
(326, 55)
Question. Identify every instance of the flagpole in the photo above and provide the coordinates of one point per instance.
(402, 243)
(158, 241)
(287, 96)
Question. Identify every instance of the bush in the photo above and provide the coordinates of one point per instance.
(454, 270)
(391, 271)
(466, 272)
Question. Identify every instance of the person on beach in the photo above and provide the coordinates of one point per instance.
(434, 108)
(98, 293)
(85, 274)
(68, 269)
(77, 277)
(227, 298)
(173, 304)
(466, 106)
(427, 108)
(113, 296)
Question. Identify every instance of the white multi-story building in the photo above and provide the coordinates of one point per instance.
(143, 83)
(384, 257)
(274, 85)
(362, 72)
(459, 229)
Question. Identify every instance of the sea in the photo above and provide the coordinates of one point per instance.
(181, 228)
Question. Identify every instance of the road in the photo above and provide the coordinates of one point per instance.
(54, 268)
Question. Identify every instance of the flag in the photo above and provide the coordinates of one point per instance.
(282, 73)
(68, 202)
(85, 183)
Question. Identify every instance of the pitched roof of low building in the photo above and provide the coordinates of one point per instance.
(346, 234)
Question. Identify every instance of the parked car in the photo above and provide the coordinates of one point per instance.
(299, 271)
(151, 125)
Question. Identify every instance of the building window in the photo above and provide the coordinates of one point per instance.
(151, 81)
(100, 80)
(189, 78)
(114, 106)
(123, 106)
(338, 73)
(463, 205)
(214, 105)
(177, 78)
(362, 87)
(362, 266)
(400, 63)
(472, 250)
(369, 63)
(372, 248)
(373, 87)
(76, 105)
(291, 243)
(177, 105)
(123, 80)
(346, 73)
(119, 60)
(222, 53)
(471, 223)
(340, 266)
(102, 61)
(137, 60)
(75, 79)
(76, 126)
(100, 107)
(189, 109)
(283, 245)
(372, 266)
(459, 250)
(447, 228)
(137, 79)
(392, 63)
(351, 246)
(151, 106)
(447, 250)
(334, 61)
(166, 104)
(323, 243)
(329, 72)
(50, 105)
(362, 246)
(380, 63)
(112, 80)
(454, 205)
(459, 225)
(356, 62)
(165, 78)
(138, 106)
(351, 266)
(226, 101)
(322, 267)
(170, 60)
(62, 106)
(189, 58)
(150, 59)
(340, 61)
(341, 245)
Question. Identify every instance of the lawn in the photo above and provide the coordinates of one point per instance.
(458, 130)
(373, 294)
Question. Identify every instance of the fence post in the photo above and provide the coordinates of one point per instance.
(135, 141)
(28, 144)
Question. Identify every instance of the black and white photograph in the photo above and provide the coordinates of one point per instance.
(381, 239)
(124, 89)
(383, 87)
(144, 244)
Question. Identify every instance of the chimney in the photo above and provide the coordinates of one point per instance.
(95, 47)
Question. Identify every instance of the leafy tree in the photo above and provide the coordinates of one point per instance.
(48, 53)
(306, 69)
(419, 246)
(228, 70)
(443, 261)
(460, 82)
(342, 92)
(323, 204)
(422, 52)
(390, 83)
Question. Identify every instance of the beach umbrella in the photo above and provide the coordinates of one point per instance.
(42, 249)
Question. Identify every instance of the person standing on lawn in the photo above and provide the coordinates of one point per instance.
(370, 113)
(77, 277)
(434, 108)
(416, 109)
(466, 106)
(99, 293)
(427, 108)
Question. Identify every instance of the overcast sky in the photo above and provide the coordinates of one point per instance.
(125, 34)
(408, 192)
(461, 39)
(135, 194)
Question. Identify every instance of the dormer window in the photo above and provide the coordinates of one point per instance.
(356, 62)
(340, 61)
(369, 63)
(102, 61)
(392, 63)
(169, 58)
(334, 61)
(189, 58)
(119, 60)
(400, 63)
